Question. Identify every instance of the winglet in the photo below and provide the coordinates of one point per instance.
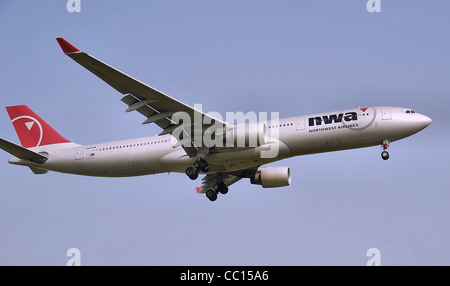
(66, 46)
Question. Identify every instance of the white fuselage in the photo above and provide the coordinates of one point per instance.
(340, 130)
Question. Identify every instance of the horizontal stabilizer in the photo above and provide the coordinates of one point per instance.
(21, 152)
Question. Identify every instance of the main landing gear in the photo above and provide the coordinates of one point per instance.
(192, 173)
(221, 187)
(385, 154)
(200, 165)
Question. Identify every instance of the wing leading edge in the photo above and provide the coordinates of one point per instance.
(156, 106)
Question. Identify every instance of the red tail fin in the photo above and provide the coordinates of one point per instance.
(31, 129)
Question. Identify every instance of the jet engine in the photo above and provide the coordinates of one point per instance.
(272, 177)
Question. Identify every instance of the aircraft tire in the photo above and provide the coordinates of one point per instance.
(192, 173)
(211, 195)
(222, 188)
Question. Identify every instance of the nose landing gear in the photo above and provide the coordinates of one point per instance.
(385, 154)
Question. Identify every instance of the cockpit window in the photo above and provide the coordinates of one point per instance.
(410, 111)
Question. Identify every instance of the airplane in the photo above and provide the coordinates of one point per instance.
(43, 149)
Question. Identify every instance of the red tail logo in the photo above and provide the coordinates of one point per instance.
(31, 129)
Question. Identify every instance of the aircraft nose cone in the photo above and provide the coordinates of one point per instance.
(422, 122)
(427, 120)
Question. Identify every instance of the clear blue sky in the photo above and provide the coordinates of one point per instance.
(294, 57)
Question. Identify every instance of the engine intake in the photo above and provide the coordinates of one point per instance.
(272, 177)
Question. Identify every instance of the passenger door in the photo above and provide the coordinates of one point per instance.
(386, 113)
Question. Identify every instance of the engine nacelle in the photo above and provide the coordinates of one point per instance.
(272, 177)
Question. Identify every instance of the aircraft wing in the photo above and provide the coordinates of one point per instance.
(210, 181)
(21, 152)
(156, 106)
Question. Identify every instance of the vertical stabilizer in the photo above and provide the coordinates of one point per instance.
(32, 130)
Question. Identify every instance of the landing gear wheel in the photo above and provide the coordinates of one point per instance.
(203, 165)
(211, 195)
(385, 155)
(222, 188)
(192, 173)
